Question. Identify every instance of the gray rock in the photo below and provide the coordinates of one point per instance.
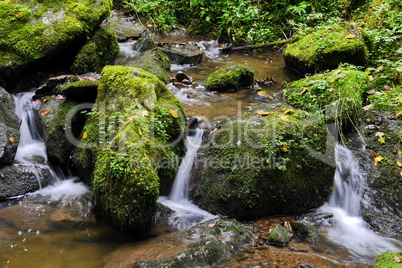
(183, 54)
(279, 236)
(21, 179)
(9, 128)
(125, 29)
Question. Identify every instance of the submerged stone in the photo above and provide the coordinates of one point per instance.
(279, 236)
(274, 160)
(230, 77)
(326, 48)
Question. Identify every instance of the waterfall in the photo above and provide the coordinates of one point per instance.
(350, 230)
(186, 214)
(31, 153)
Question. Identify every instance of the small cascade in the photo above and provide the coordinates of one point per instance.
(31, 154)
(350, 230)
(186, 214)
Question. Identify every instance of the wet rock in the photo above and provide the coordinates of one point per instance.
(248, 168)
(21, 179)
(126, 29)
(152, 60)
(49, 87)
(182, 53)
(304, 231)
(9, 128)
(41, 31)
(215, 241)
(143, 44)
(60, 125)
(230, 77)
(326, 48)
(279, 236)
(98, 51)
(81, 91)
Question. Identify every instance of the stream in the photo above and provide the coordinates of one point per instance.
(57, 227)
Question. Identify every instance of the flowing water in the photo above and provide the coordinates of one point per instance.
(57, 227)
(186, 214)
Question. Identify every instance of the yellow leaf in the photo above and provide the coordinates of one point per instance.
(304, 90)
(332, 80)
(12, 139)
(139, 131)
(398, 153)
(378, 159)
(288, 111)
(45, 112)
(264, 113)
(399, 163)
(85, 135)
(381, 140)
(350, 36)
(264, 94)
(284, 118)
(401, 174)
(174, 113)
(145, 153)
(399, 113)
(19, 15)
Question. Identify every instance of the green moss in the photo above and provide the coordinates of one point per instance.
(387, 100)
(33, 30)
(230, 77)
(136, 142)
(326, 49)
(97, 52)
(279, 236)
(255, 166)
(388, 260)
(337, 94)
(304, 231)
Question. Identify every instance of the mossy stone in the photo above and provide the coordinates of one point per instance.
(326, 48)
(279, 236)
(98, 51)
(262, 163)
(81, 91)
(388, 260)
(33, 31)
(134, 137)
(230, 77)
(304, 231)
(337, 94)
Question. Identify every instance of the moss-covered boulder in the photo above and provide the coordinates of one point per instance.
(131, 143)
(389, 259)
(98, 51)
(304, 231)
(9, 128)
(80, 91)
(151, 59)
(326, 48)
(32, 31)
(337, 94)
(230, 77)
(273, 160)
(60, 124)
(279, 236)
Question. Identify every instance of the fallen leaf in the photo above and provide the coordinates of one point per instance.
(288, 111)
(399, 113)
(401, 174)
(397, 259)
(386, 87)
(371, 78)
(264, 94)
(264, 113)
(139, 131)
(331, 89)
(284, 118)
(85, 135)
(379, 134)
(174, 113)
(378, 159)
(381, 68)
(332, 80)
(350, 36)
(145, 153)
(19, 15)
(398, 153)
(304, 90)
(12, 139)
(399, 163)
(337, 71)
(45, 112)
(381, 140)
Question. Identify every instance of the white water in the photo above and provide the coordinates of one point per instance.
(186, 214)
(32, 154)
(350, 230)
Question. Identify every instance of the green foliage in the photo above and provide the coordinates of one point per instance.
(388, 260)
